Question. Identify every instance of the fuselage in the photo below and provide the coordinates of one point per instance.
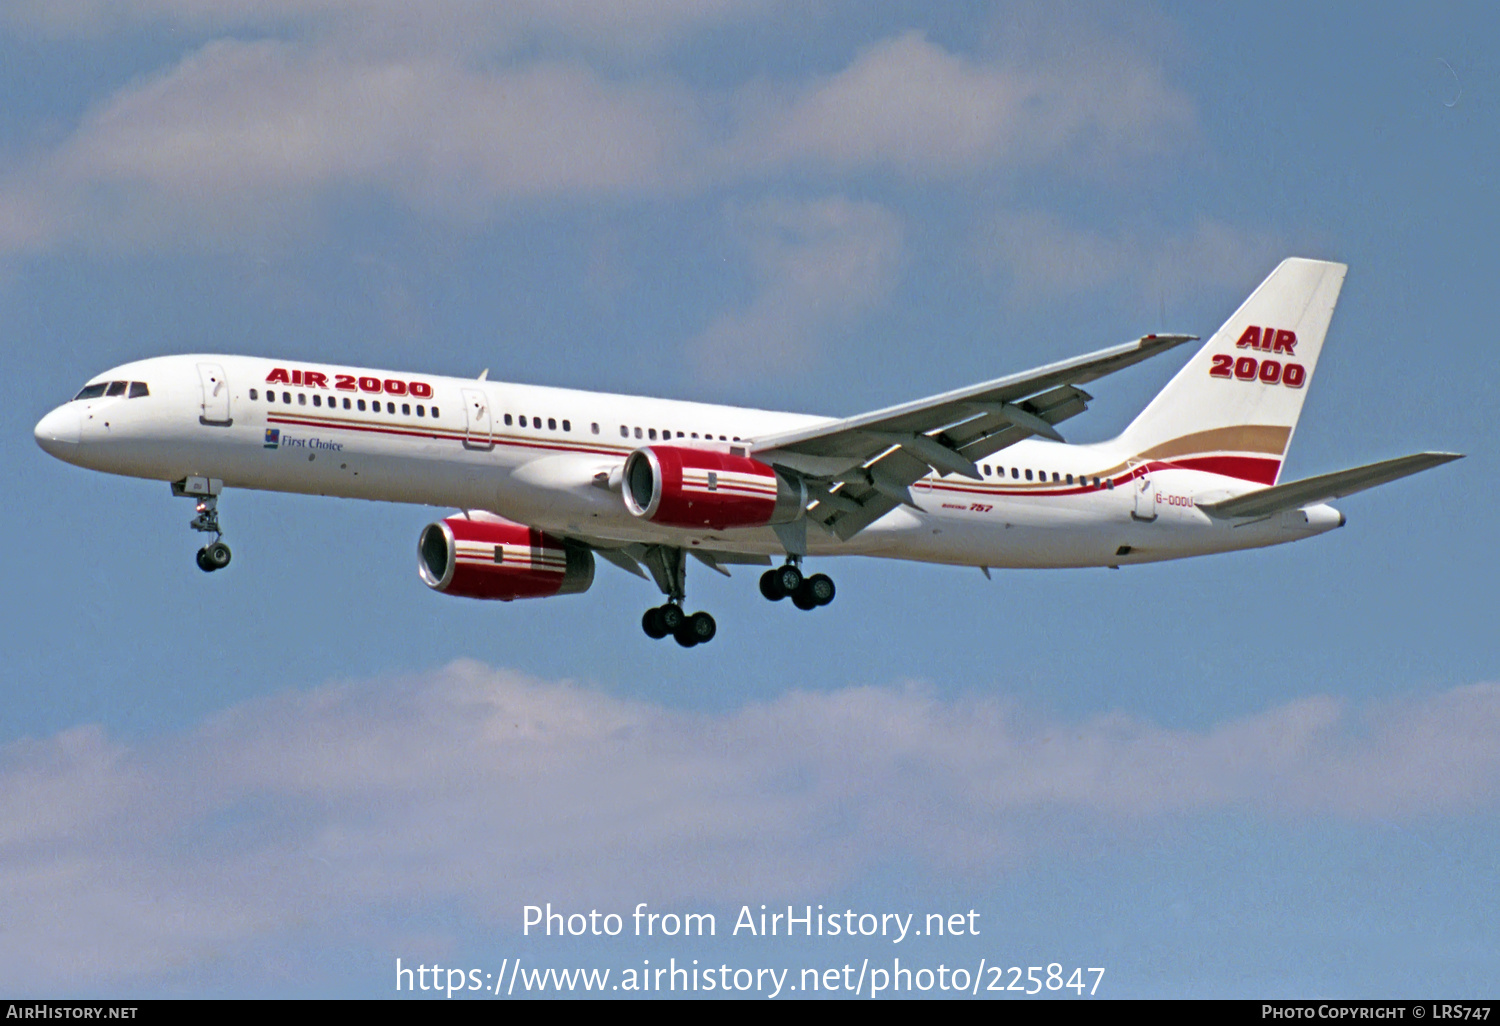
(550, 458)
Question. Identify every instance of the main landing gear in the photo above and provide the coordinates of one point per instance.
(687, 629)
(669, 567)
(805, 592)
(215, 555)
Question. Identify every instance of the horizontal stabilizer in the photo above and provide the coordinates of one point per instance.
(1313, 490)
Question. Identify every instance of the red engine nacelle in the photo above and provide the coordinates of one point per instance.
(496, 559)
(680, 487)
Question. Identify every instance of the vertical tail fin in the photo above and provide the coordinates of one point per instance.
(1233, 408)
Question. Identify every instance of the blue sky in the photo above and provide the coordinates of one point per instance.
(1267, 773)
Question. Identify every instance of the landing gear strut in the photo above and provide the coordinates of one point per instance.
(215, 555)
(668, 567)
(805, 592)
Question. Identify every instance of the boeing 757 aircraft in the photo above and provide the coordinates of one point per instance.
(547, 478)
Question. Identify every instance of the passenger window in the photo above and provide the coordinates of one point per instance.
(92, 391)
(346, 406)
(139, 389)
(406, 409)
(317, 400)
(594, 427)
(551, 423)
(390, 408)
(434, 411)
(986, 470)
(1028, 475)
(117, 388)
(567, 426)
(1056, 479)
(651, 434)
(1070, 479)
(638, 432)
(286, 397)
(1014, 473)
(254, 394)
(695, 434)
(624, 431)
(361, 405)
(270, 396)
(301, 398)
(421, 411)
(508, 420)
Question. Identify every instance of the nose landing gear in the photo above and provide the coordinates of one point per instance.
(215, 555)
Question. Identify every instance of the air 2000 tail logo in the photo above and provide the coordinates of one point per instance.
(1266, 371)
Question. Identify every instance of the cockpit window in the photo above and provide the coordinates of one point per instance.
(138, 389)
(92, 391)
(117, 387)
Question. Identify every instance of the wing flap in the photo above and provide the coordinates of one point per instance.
(1312, 490)
(849, 437)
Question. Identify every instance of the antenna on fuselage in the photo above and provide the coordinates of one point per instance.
(484, 374)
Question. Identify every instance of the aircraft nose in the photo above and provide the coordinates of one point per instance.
(57, 433)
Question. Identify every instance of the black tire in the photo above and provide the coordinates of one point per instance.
(820, 586)
(702, 627)
(684, 635)
(203, 563)
(671, 617)
(803, 598)
(790, 579)
(218, 555)
(770, 586)
(651, 624)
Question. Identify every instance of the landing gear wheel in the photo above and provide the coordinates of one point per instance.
(671, 617)
(698, 629)
(217, 555)
(802, 599)
(770, 586)
(788, 578)
(651, 624)
(820, 587)
(203, 563)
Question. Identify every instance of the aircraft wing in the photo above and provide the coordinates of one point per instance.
(1312, 490)
(860, 468)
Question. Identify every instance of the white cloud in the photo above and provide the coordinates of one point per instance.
(398, 25)
(480, 787)
(432, 113)
(818, 267)
(243, 135)
(909, 105)
(1040, 258)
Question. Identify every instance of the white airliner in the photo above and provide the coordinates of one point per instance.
(547, 478)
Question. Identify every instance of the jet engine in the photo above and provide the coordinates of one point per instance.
(491, 558)
(682, 487)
